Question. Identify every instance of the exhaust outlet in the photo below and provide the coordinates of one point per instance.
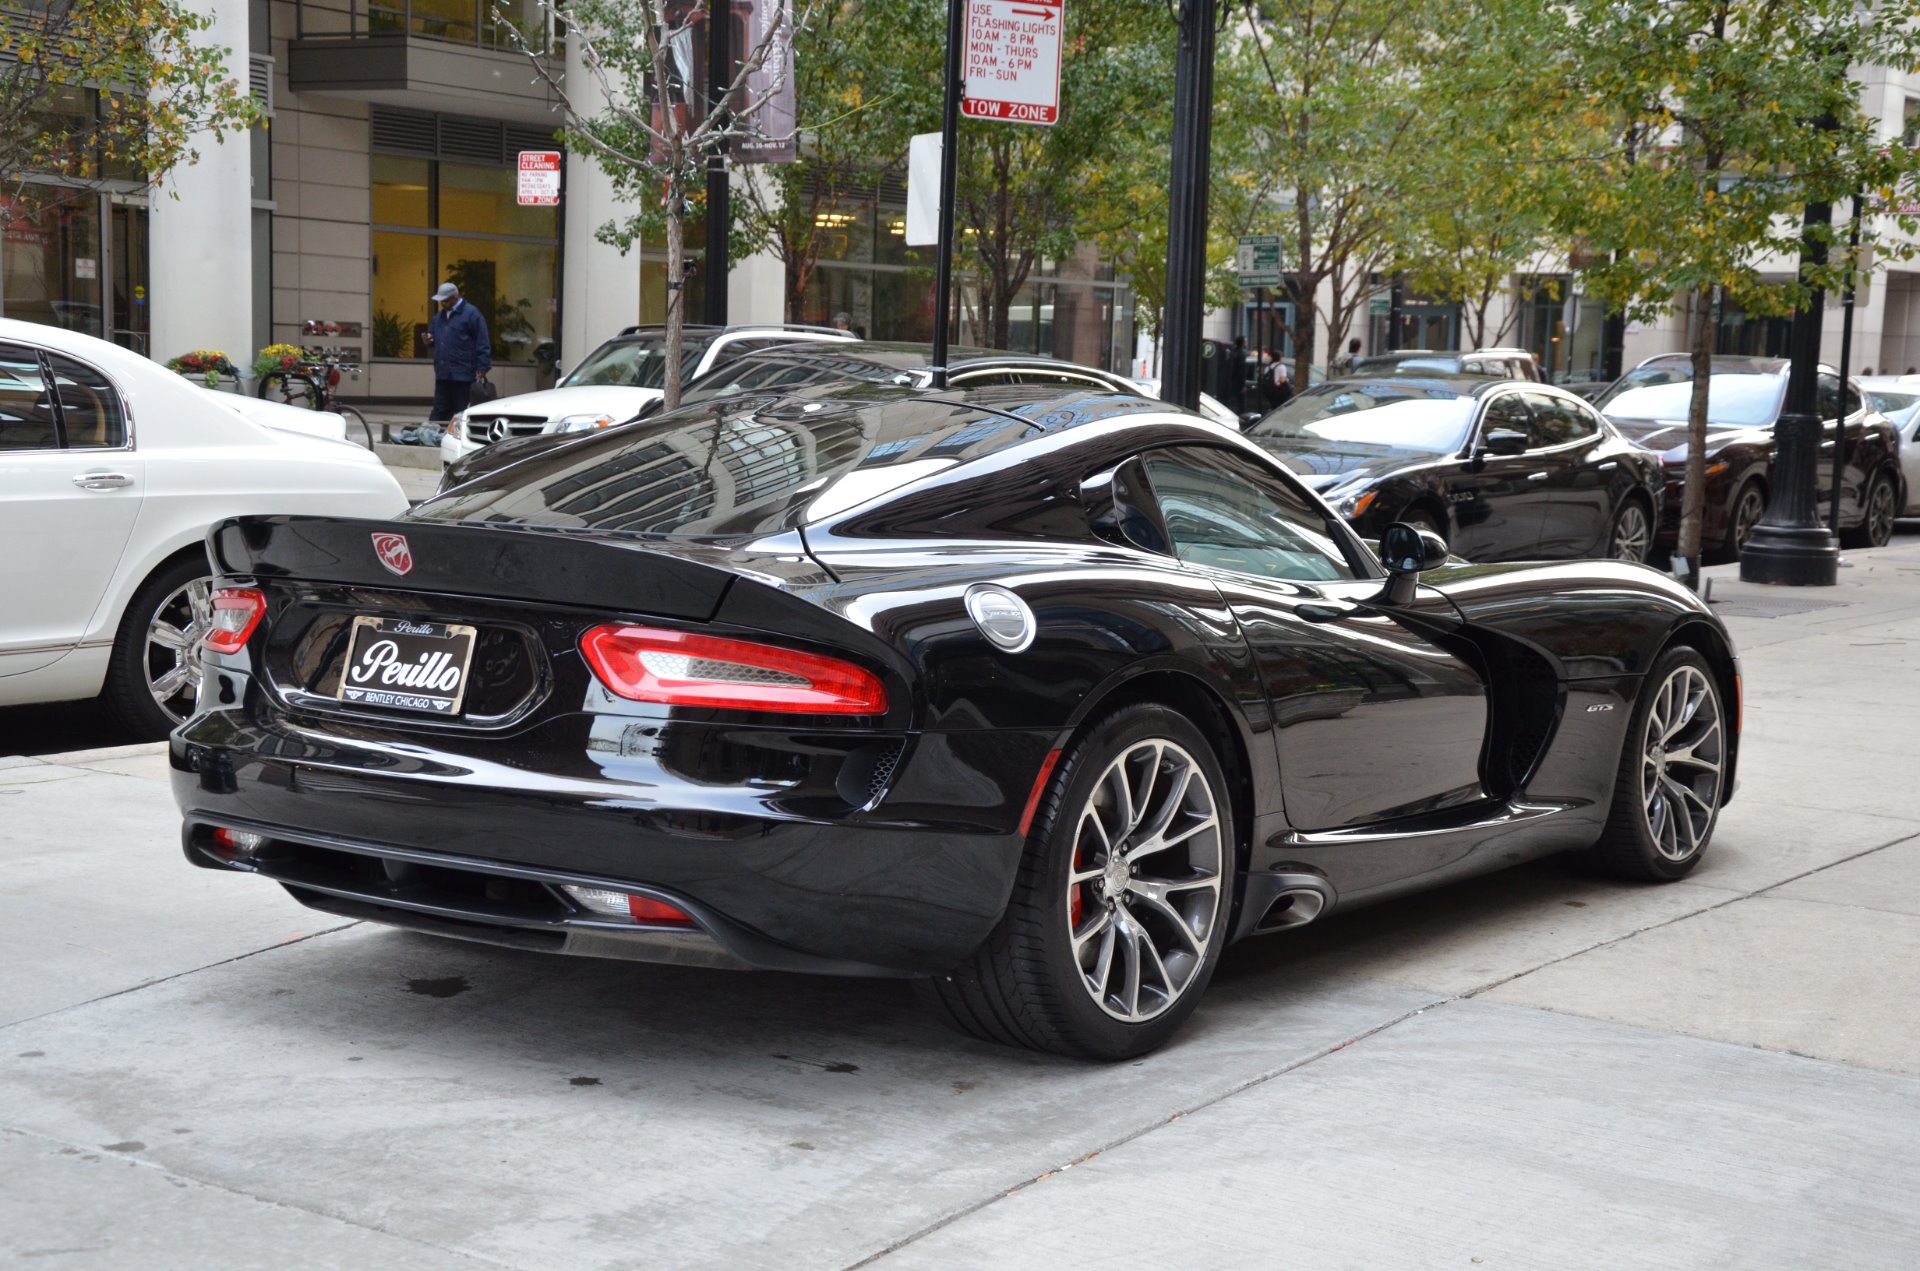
(1294, 907)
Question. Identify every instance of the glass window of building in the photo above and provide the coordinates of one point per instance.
(437, 220)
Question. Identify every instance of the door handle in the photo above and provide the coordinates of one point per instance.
(102, 480)
(1536, 476)
(1327, 611)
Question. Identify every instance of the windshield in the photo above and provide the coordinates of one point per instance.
(1384, 415)
(635, 362)
(1893, 403)
(1666, 392)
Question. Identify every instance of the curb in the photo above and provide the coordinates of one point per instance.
(74, 758)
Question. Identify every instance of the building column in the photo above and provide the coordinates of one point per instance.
(757, 287)
(200, 226)
(599, 287)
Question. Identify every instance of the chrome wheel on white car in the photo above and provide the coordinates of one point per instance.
(172, 656)
(153, 680)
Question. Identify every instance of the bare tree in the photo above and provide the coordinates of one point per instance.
(656, 130)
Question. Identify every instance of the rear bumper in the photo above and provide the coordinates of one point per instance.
(770, 853)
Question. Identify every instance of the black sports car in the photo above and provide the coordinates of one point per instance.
(1042, 700)
(1501, 469)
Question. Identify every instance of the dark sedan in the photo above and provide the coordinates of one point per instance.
(1502, 470)
(1650, 405)
(1040, 701)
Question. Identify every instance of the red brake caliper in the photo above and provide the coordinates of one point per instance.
(1073, 894)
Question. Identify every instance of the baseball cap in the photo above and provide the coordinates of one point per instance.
(447, 291)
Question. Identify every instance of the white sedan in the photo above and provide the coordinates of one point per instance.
(111, 470)
(1898, 398)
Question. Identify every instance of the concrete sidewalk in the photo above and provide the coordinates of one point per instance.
(1528, 1070)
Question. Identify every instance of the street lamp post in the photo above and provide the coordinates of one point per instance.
(719, 185)
(1187, 200)
(1790, 547)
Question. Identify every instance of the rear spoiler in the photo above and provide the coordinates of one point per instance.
(493, 561)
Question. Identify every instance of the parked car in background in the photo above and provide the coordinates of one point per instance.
(1210, 406)
(616, 382)
(1498, 469)
(1898, 398)
(111, 469)
(1745, 395)
(1040, 696)
(1505, 363)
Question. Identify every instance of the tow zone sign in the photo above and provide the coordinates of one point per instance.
(539, 178)
(1011, 64)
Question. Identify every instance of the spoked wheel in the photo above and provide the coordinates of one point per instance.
(1748, 508)
(353, 417)
(1119, 911)
(1672, 772)
(1876, 525)
(153, 680)
(1632, 536)
(289, 390)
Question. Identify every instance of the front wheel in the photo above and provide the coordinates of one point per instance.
(1876, 520)
(1672, 773)
(1119, 911)
(1748, 507)
(1632, 535)
(289, 390)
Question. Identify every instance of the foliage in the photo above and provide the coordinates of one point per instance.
(392, 337)
(164, 88)
(278, 357)
(208, 364)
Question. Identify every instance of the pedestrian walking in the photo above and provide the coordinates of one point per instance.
(462, 352)
(1276, 386)
(1343, 364)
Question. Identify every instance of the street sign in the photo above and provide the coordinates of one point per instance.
(1258, 261)
(539, 178)
(1012, 66)
(923, 190)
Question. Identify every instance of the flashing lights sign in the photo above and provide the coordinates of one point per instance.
(1011, 63)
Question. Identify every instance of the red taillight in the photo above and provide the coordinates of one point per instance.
(646, 909)
(236, 612)
(649, 665)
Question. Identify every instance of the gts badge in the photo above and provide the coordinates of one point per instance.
(1594, 710)
(1460, 496)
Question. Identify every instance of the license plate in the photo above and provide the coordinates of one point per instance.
(406, 665)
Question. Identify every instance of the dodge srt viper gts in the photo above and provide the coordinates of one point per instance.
(1040, 698)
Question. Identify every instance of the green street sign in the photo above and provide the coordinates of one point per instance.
(1258, 263)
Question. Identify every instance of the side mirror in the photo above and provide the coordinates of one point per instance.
(1408, 551)
(1505, 441)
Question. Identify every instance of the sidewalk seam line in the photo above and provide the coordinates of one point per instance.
(168, 1171)
(1258, 1079)
(168, 979)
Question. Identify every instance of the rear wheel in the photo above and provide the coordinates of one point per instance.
(1632, 535)
(1672, 773)
(153, 679)
(1876, 522)
(1119, 912)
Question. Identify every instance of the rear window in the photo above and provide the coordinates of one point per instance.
(753, 467)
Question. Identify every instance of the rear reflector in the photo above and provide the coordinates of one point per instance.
(234, 843)
(644, 664)
(609, 903)
(236, 612)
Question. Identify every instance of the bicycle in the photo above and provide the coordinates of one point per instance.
(312, 384)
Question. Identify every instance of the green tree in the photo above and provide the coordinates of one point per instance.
(1726, 117)
(109, 89)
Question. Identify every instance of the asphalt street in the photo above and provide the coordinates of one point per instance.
(1535, 1069)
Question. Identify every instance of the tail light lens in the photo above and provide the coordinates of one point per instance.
(236, 612)
(648, 665)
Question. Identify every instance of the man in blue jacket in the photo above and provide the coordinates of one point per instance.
(462, 353)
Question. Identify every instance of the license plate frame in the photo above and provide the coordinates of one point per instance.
(415, 645)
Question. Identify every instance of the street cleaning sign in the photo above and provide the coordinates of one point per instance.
(1011, 66)
(539, 178)
(1257, 262)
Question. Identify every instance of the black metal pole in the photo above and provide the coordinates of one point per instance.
(719, 187)
(1187, 201)
(949, 173)
(1846, 369)
(1790, 547)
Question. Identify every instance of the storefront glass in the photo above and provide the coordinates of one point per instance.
(51, 272)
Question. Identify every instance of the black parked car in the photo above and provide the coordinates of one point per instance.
(1745, 396)
(1042, 701)
(1500, 469)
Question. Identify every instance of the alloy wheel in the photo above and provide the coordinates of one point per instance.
(172, 655)
(1143, 887)
(1632, 533)
(1746, 514)
(1880, 514)
(1681, 759)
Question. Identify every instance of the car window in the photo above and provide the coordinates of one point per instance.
(89, 406)
(1557, 421)
(1508, 411)
(1224, 512)
(26, 412)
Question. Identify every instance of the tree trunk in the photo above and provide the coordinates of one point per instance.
(1693, 496)
(676, 291)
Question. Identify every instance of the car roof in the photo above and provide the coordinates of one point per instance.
(1725, 363)
(1458, 382)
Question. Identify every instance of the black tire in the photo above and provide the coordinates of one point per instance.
(1637, 842)
(1421, 519)
(1748, 506)
(1630, 536)
(135, 663)
(353, 416)
(1025, 986)
(1877, 515)
(289, 389)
